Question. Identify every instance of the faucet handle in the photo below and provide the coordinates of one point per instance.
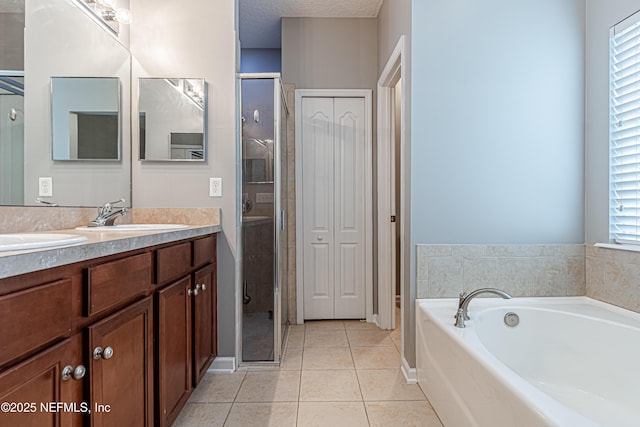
(462, 312)
(106, 208)
(461, 298)
(115, 202)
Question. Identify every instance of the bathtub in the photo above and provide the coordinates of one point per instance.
(570, 362)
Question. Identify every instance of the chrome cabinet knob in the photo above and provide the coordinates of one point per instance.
(320, 238)
(194, 292)
(79, 372)
(204, 287)
(66, 372)
(106, 353)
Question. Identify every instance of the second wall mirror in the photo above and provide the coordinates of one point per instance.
(172, 117)
(85, 118)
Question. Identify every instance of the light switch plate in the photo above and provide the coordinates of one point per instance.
(45, 187)
(215, 187)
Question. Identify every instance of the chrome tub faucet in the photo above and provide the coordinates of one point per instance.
(107, 215)
(465, 299)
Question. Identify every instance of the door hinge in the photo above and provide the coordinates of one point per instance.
(393, 218)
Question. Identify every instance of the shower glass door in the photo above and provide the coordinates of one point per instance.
(264, 262)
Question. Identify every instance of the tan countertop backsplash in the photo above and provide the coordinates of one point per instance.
(20, 219)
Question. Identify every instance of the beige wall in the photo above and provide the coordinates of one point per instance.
(60, 40)
(194, 39)
(11, 41)
(329, 53)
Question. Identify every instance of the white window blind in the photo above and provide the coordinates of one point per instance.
(624, 132)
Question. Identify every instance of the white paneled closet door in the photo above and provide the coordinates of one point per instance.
(333, 174)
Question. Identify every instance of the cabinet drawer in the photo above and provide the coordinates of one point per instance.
(173, 262)
(34, 317)
(204, 251)
(114, 282)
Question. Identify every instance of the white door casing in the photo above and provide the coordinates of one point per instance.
(333, 198)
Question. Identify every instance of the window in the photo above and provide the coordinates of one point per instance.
(624, 131)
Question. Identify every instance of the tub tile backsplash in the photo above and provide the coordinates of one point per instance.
(613, 276)
(444, 271)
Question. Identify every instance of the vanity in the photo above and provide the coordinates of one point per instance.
(121, 335)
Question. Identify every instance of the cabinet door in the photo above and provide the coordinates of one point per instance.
(174, 349)
(35, 387)
(121, 373)
(204, 321)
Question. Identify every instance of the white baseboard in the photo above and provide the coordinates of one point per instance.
(375, 320)
(410, 374)
(226, 365)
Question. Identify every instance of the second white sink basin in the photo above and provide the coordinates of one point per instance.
(135, 227)
(20, 241)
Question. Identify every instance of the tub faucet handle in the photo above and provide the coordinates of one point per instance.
(461, 298)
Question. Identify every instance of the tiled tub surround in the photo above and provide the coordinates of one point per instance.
(613, 276)
(444, 271)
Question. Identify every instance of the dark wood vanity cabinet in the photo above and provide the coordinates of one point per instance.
(42, 380)
(186, 332)
(103, 343)
(121, 367)
(174, 349)
(205, 331)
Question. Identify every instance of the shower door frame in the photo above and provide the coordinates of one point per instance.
(279, 216)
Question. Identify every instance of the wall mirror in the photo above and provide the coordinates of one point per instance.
(257, 162)
(172, 119)
(85, 118)
(61, 39)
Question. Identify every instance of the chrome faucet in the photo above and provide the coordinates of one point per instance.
(107, 216)
(465, 299)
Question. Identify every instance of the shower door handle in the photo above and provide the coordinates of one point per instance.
(281, 220)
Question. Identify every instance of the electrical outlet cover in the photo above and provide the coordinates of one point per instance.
(215, 187)
(45, 187)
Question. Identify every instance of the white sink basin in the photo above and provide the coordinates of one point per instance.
(20, 241)
(135, 227)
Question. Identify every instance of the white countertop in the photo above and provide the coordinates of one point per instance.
(98, 244)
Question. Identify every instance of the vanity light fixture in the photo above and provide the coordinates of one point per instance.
(106, 13)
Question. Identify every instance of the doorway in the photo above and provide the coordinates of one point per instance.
(392, 217)
(333, 204)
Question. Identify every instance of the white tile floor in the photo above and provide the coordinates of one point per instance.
(334, 373)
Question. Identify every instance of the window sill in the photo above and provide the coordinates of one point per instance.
(618, 246)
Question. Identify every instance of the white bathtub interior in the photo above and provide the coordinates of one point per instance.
(570, 361)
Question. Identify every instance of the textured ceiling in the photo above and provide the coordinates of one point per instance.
(260, 19)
